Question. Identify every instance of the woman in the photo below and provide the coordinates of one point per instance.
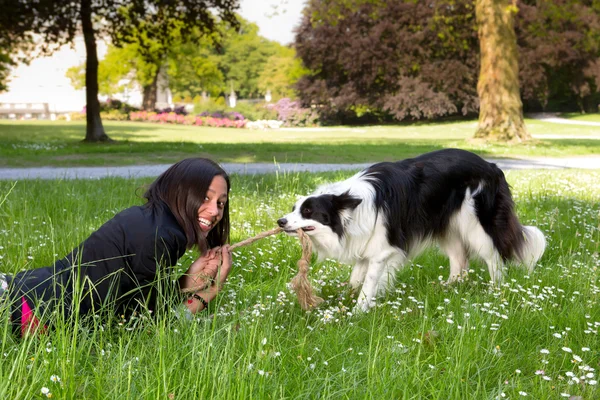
(122, 265)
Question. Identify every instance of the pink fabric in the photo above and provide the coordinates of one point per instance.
(29, 322)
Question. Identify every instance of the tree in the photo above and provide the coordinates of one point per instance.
(14, 49)
(126, 62)
(244, 57)
(280, 74)
(388, 60)
(116, 65)
(559, 54)
(193, 69)
(5, 64)
(123, 22)
(197, 64)
(233, 60)
(500, 106)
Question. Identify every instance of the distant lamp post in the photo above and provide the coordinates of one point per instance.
(232, 99)
(125, 84)
(268, 96)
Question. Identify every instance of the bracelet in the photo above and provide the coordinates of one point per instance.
(204, 303)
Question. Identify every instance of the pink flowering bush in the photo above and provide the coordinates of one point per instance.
(292, 113)
(173, 118)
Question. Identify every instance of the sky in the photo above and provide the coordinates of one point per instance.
(276, 19)
(44, 80)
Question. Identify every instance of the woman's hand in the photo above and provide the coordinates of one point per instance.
(204, 270)
(207, 275)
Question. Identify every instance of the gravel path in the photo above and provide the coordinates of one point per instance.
(554, 118)
(138, 171)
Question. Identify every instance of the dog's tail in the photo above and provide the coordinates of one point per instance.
(524, 244)
(532, 248)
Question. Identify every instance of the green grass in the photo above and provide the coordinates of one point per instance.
(593, 117)
(424, 340)
(42, 143)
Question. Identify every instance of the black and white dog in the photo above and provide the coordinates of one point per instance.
(384, 215)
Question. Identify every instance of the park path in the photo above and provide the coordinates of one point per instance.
(554, 118)
(140, 171)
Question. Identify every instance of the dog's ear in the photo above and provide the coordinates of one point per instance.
(345, 201)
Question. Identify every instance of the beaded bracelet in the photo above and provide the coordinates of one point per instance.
(204, 303)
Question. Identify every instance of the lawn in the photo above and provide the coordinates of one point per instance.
(42, 143)
(593, 117)
(536, 335)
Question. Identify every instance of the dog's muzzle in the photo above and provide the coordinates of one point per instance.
(282, 222)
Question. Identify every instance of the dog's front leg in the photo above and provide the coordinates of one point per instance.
(366, 299)
(358, 274)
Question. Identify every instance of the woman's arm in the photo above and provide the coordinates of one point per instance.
(205, 274)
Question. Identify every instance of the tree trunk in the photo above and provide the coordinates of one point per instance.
(500, 106)
(94, 131)
(151, 94)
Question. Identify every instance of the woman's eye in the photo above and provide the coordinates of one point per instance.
(221, 204)
(206, 198)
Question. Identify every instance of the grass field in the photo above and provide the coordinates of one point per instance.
(42, 143)
(594, 117)
(536, 336)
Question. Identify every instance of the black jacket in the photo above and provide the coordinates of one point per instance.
(118, 266)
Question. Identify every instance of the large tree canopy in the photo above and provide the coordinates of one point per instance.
(133, 21)
(559, 54)
(413, 59)
(216, 67)
(404, 58)
(198, 65)
(280, 74)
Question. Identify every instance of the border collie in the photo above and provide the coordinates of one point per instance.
(383, 216)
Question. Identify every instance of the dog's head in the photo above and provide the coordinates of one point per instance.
(319, 214)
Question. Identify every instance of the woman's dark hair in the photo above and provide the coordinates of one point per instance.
(183, 188)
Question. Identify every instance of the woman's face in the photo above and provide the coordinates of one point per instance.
(211, 211)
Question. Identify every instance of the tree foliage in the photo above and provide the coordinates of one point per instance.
(243, 59)
(405, 59)
(280, 74)
(237, 61)
(6, 63)
(145, 22)
(118, 64)
(193, 69)
(413, 59)
(201, 65)
(559, 43)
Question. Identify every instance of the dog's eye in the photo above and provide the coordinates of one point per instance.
(306, 211)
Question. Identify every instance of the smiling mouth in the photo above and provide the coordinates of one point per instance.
(305, 229)
(204, 222)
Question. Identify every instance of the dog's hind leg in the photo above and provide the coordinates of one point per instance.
(477, 241)
(457, 253)
(480, 243)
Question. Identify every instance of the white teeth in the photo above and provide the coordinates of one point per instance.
(204, 221)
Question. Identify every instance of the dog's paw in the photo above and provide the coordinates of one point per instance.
(457, 278)
(363, 305)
